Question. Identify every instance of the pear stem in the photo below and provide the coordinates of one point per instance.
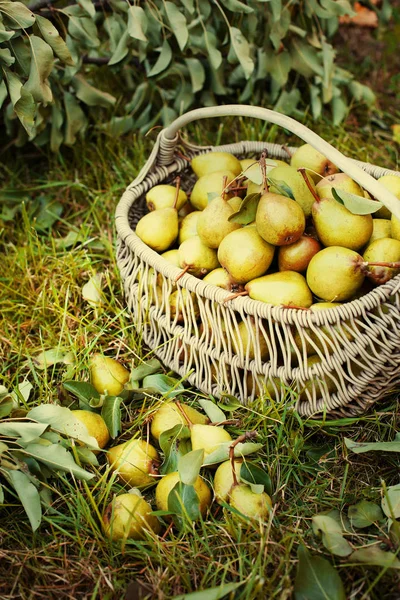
(310, 187)
(294, 306)
(181, 155)
(286, 149)
(182, 273)
(390, 265)
(224, 184)
(226, 422)
(249, 435)
(263, 166)
(233, 296)
(178, 185)
(184, 415)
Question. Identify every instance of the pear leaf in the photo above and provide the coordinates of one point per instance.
(57, 458)
(28, 495)
(41, 66)
(147, 368)
(22, 429)
(184, 503)
(241, 48)
(92, 290)
(111, 413)
(87, 457)
(364, 514)
(178, 23)
(212, 411)
(316, 578)
(162, 384)
(280, 187)
(6, 403)
(137, 23)
(360, 448)
(189, 466)
(63, 420)
(358, 205)
(174, 443)
(21, 16)
(52, 357)
(254, 475)
(163, 60)
(221, 454)
(83, 391)
(247, 211)
(229, 403)
(215, 593)
(373, 555)
(52, 37)
(332, 535)
(91, 95)
(391, 502)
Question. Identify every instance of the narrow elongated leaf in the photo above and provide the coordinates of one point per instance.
(84, 30)
(247, 211)
(28, 495)
(53, 38)
(364, 514)
(57, 120)
(1, 495)
(3, 92)
(358, 205)
(280, 66)
(147, 368)
(189, 5)
(236, 6)
(222, 452)
(51, 357)
(360, 448)
(184, 502)
(162, 384)
(41, 66)
(57, 458)
(82, 390)
(19, 14)
(189, 466)
(22, 430)
(373, 555)
(22, 101)
(117, 126)
(6, 57)
(111, 413)
(178, 24)
(137, 23)
(339, 109)
(215, 593)
(88, 7)
(197, 73)
(316, 579)
(163, 60)
(242, 50)
(391, 502)
(254, 475)
(212, 411)
(91, 95)
(61, 419)
(332, 535)
(121, 50)
(75, 120)
(214, 54)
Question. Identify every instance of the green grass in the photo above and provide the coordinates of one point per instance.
(42, 307)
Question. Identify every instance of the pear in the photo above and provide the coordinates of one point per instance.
(292, 178)
(169, 415)
(222, 279)
(286, 288)
(188, 226)
(186, 209)
(213, 224)
(280, 221)
(208, 437)
(391, 183)
(339, 181)
(242, 338)
(197, 258)
(203, 164)
(107, 375)
(382, 228)
(223, 479)
(129, 516)
(163, 196)
(158, 229)
(135, 461)
(382, 250)
(250, 504)
(172, 256)
(326, 382)
(168, 482)
(235, 202)
(317, 164)
(180, 305)
(297, 256)
(245, 255)
(337, 226)
(95, 425)
(334, 274)
(207, 184)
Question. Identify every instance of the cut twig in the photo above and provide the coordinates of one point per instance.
(178, 185)
(182, 273)
(184, 415)
(263, 166)
(224, 184)
(249, 435)
(308, 183)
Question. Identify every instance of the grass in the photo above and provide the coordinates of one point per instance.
(311, 469)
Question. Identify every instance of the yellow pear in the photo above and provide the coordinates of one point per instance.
(203, 164)
(129, 516)
(391, 183)
(382, 228)
(221, 278)
(339, 181)
(168, 482)
(159, 228)
(208, 437)
(107, 375)
(297, 256)
(172, 256)
(196, 257)
(136, 462)
(169, 415)
(287, 288)
(382, 250)
(188, 226)
(95, 425)
(250, 504)
(213, 224)
(313, 161)
(207, 184)
(292, 178)
(280, 221)
(337, 226)
(243, 338)
(245, 255)
(180, 305)
(163, 196)
(334, 274)
(223, 479)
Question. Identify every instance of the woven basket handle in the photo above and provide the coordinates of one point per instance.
(169, 135)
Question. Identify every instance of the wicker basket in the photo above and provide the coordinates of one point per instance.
(357, 343)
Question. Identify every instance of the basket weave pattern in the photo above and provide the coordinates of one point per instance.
(358, 342)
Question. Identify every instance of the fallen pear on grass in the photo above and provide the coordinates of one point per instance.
(129, 516)
(248, 503)
(95, 425)
(224, 479)
(208, 438)
(171, 414)
(107, 375)
(136, 462)
(168, 482)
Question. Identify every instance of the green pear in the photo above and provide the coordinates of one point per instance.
(335, 274)
(245, 255)
(163, 196)
(107, 375)
(382, 250)
(203, 164)
(169, 415)
(297, 256)
(337, 226)
(208, 437)
(172, 256)
(136, 462)
(188, 226)
(382, 228)
(197, 258)
(222, 279)
(167, 484)
(391, 183)
(213, 224)
(95, 425)
(339, 181)
(248, 503)
(235, 203)
(317, 164)
(292, 178)
(129, 516)
(223, 479)
(209, 184)
(249, 340)
(180, 305)
(159, 228)
(286, 288)
(280, 221)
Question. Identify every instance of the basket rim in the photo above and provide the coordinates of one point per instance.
(350, 309)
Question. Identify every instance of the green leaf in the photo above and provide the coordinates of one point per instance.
(391, 502)
(174, 443)
(163, 60)
(121, 50)
(364, 514)
(111, 413)
(55, 41)
(189, 5)
(57, 458)
(280, 66)
(19, 14)
(87, 457)
(373, 555)
(6, 406)
(3, 93)
(328, 57)
(212, 411)
(189, 466)
(214, 54)
(1, 495)
(316, 579)
(22, 430)
(236, 6)
(137, 23)
(288, 102)
(254, 475)
(6, 57)
(91, 95)
(49, 211)
(75, 120)
(362, 92)
(222, 452)
(178, 24)
(162, 384)
(147, 368)
(5, 35)
(242, 50)
(184, 502)
(280, 187)
(52, 357)
(117, 126)
(197, 73)
(61, 419)
(332, 535)
(360, 448)
(88, 7)
(339, 109)
(247, 211)
(229, 403)
(22, 101)
(28, 495)
(57, 120)
(85, 392)
(22, 391)
(84, 30)
(41, 66)
(215, 593)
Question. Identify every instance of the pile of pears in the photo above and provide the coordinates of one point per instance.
(274, 231)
